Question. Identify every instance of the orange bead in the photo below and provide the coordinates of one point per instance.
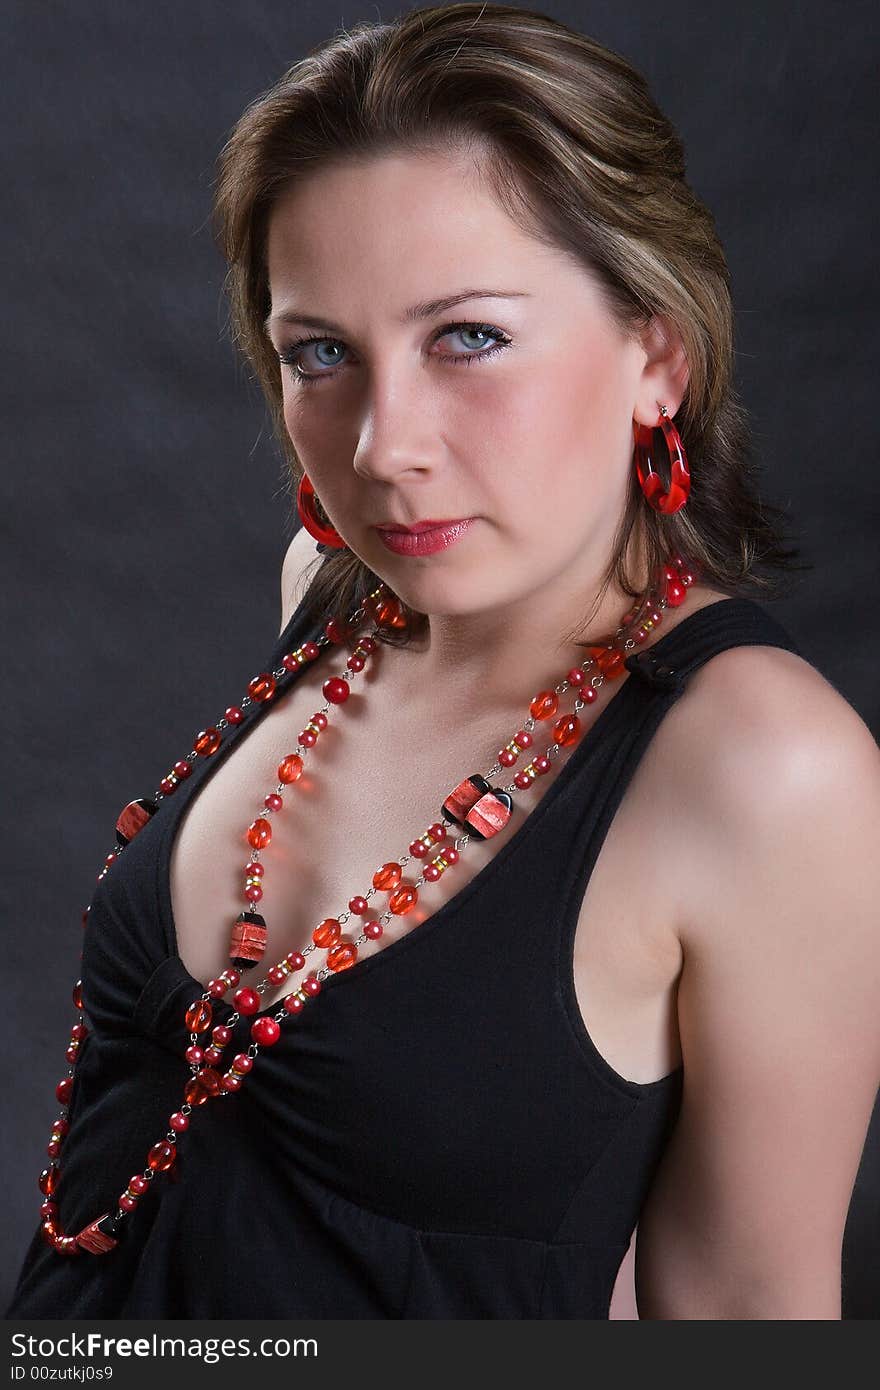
(610, 662)
(208, 742)
(544, 705)
(404, 899)
(290, 768)
(328, 932)
(566, 729)
(198, 1016)
(343, 955)
(259, 833)
(387, 877)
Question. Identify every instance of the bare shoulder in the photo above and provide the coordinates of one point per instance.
(759, 729)
(766, 756)
(296, 568)
(776, 786)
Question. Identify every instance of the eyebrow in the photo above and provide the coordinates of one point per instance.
(425, 310)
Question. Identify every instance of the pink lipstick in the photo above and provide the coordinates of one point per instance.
(429, 538)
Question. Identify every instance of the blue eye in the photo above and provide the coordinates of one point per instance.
(291, 356)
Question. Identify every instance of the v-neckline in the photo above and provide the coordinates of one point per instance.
(617, 706)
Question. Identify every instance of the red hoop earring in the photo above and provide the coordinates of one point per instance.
(314, 520)
(649, 479)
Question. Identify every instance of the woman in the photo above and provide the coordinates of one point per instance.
(628, 975)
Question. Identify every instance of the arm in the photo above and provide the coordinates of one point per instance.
(297, 559)
(778, 998)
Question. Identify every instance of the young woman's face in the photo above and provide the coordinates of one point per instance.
(515, 410)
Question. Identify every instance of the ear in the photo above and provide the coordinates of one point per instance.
(665, 373)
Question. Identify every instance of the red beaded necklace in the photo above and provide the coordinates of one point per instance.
(475, 806)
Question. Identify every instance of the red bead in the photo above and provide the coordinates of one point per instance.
(216, 988)
(195, 1056)
(358, 905)
(234, 714)
(343, 955)
(291, 767)
(247, 942)
(254, 869)
(320, 719)
(588, 695)
(242, 1062)
(161, 1156)
(437, 831)
(610, 662)
(676, 593)
(432, 872)
(133, 818)
(246, 1001)
(273, 801)
(336, 690)
(327, 932)
(387, 877)
(337, 630)
(48, 1179)
(178, 1121)
(418, 849)
(311, 650)
(541, 763)
(566, 729)
(265, 1031)
(48, 1208)
(63, 1090)
(208, 742)
(72, 1050)
(253, 892)
(373, 929)
(221, 1035)
(290, 661)
(199, 1016)
(308, 738)
(490, 814)
(404, 899)
(544, 705)
(451, 855)
(182, 769)
(231, 1082)
(259, 833)
(368, 645)
(507, 757)
(293, 1004)
(355, 663)
(61, 1125)
(576, 676)
(138, 1184)
(262, 687)
(311, 985)
(77, 995)
(127, 1202)
(167, 786)
(295, 960)
(53, 1148)
(230, 974)
(213, 1055)
(523, 781)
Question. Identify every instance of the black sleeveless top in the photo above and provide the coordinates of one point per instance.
(424, 1141)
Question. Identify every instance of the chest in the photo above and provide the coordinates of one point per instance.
(372, 784)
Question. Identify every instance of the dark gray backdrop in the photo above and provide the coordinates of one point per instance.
(144, 517)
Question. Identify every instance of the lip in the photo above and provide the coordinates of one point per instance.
(424, 539)
(418, 525)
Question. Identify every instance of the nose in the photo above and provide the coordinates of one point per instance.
(397, 436)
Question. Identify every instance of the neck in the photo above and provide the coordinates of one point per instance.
(500, 657)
